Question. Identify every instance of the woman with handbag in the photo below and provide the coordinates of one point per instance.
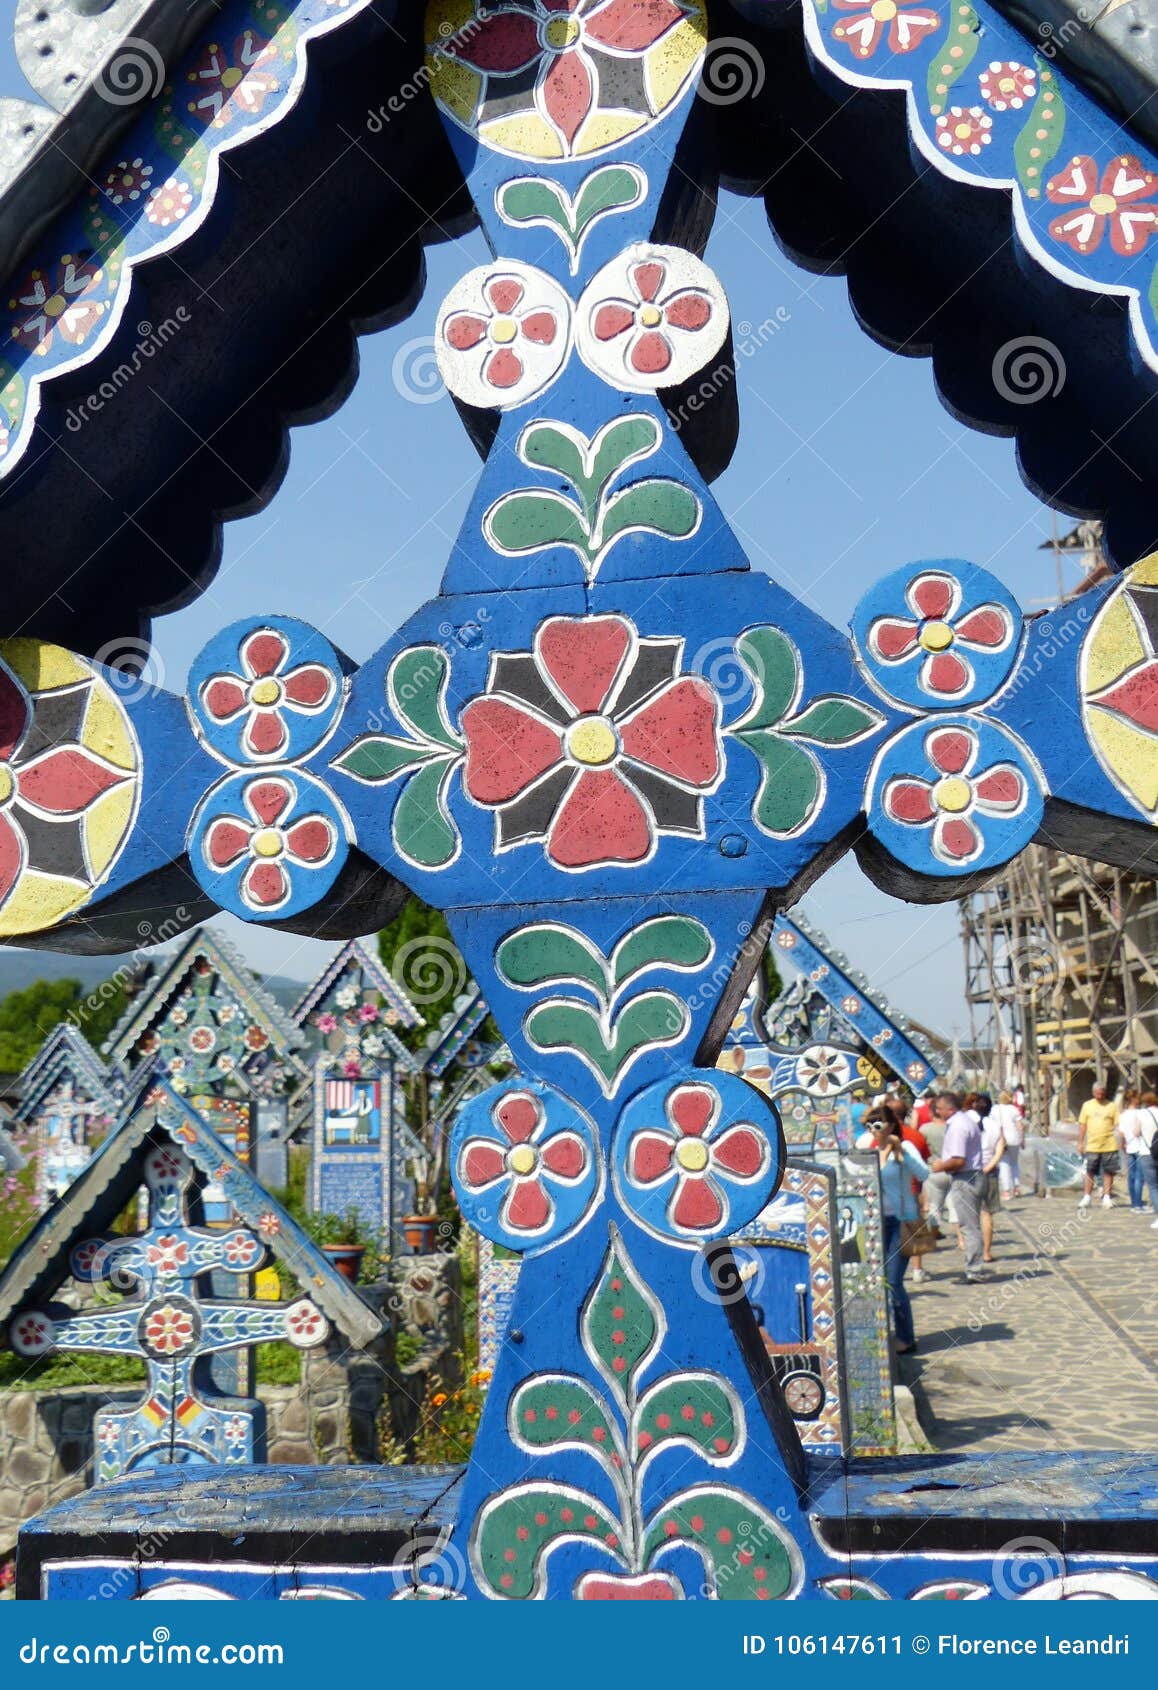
(900, 1166)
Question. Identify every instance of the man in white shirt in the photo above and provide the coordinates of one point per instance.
(961, 1159)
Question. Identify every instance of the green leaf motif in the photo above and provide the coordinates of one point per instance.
(422, 827)
(528, 200)
(677, 941)
(378, 758)
(842, 1589)
(416, 687)
(554, 1409)
(746, 1553)
(690, 1408)
(1031, 154)
(791, 784)
(516, 1532)
(627, 440)
(773, 663)
(651, 1021)
(543, 953)
(958, 53)
(620, 1327)
(834, 721)
(529, 521)
(650, 507)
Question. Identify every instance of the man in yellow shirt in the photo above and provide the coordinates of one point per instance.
(1098, 1143)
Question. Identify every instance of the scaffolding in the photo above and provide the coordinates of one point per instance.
(1058, 976)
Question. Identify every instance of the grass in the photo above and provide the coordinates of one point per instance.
(54, 1372)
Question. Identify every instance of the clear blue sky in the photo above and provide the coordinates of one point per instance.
(847, 467)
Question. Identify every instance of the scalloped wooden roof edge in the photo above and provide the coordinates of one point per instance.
(64, 1046)
(97, 1196)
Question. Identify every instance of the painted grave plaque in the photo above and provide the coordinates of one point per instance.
(864, 1301)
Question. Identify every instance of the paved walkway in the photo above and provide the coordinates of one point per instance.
(1057, 1350)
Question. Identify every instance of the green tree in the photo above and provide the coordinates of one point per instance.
(28, 1016)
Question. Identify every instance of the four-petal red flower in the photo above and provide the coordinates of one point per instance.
(953, 804)
(270, 840)
(265, 690)
(698, 1157)
(939, 635)
(527, 1166)
(1120, 199)
(652, 319)
(500, 329)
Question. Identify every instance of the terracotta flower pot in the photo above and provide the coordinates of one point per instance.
(628, 1587)
(418, 1231)
(347, 1258)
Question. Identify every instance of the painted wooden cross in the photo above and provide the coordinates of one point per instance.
(609, 827)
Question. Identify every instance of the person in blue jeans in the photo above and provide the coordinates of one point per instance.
(900, 1166)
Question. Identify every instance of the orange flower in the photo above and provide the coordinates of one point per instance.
(438, 1399)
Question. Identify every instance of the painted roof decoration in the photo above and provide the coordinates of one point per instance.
(357, 964)
(206, 1019)
(449, 1041)
(154, 1117)
(66, 1053)
(859, 1004)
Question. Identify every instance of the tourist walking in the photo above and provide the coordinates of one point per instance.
(1007, 1116)
(1098, 1143)
(1135, 1130)
(961, 1159)
(1148, 1104)
(912, 1135)
(992, 1151)
(900, 1167)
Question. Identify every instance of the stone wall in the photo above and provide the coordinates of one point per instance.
(348, 1401)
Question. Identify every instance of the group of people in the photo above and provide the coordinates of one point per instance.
(948, 1157)
(1108, 1131)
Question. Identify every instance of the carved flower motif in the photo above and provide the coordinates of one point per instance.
(235, 1430)
(267, 694)
(523, 1168)
(58, 301)
(272, 842)
(964, 130)
(231, 83)
(241, 1250)
(952, 645)
(305, 1324)
(508, 322)
(697, 1157)
(169, 1330)
(597, 746)
(127, 181)
(169, 203)
(652, 321)
(957, 801)
(168, 1255)
(502, 335)
(908, 27)
(1008, 86)
(1121, 200)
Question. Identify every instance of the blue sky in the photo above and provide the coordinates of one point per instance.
(847, 467)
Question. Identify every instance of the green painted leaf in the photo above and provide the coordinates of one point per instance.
(834, 721)
(517, 1531)
(842, 1589)
(956, 55)
(619, 443)
(544, 952)
(773, 662)
(416, 687)
(380, 758)
(532, 199)
(790, 784)
(951, 1590)
(620, 1325)
(422, 825)
(528, 521)
(547, 445)
(1031, 154)
(554, 1409)
(690, 1408)
(610, 189)
(653, 1020)
(747, 1554)
(677, 940)
(656, 506)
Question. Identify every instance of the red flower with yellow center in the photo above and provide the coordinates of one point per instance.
(525, 1166)
(593, 743)
(265, 691)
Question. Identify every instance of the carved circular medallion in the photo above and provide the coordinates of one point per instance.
(651, 318)
(502, 335)
(524, 1166)
(70, 770)
(556, 79)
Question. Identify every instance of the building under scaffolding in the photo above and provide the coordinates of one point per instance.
(1059, 978)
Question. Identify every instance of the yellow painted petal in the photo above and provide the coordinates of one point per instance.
(672, 62)
(1115, 645)
(527, 135)
(445, 18)
(1145, 573)
(1130, 755)
(42, 667)
(607, 129)
(106, 731)
(455, 86)
(39, 901)
(106, 824)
